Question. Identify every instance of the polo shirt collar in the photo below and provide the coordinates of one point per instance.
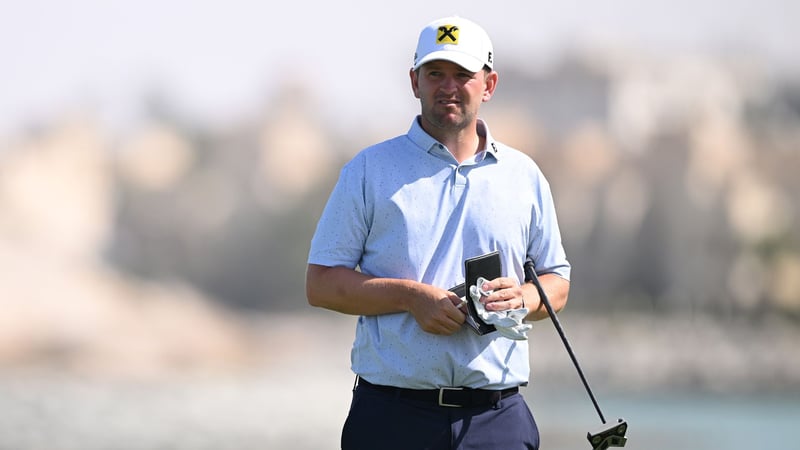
(426, 142)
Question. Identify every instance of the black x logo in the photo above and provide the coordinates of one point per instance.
(445, 32)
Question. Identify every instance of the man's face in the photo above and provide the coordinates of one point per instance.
(450, 96)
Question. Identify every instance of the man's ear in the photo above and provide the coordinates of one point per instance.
(414, 75)
(490, 86)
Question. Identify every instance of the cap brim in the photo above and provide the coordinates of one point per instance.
(464, 60)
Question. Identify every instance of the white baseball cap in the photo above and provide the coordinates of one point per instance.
(457, 40)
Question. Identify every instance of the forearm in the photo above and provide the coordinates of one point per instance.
(351, 292)
(557, 290)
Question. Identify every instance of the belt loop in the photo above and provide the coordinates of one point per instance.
(498, 404)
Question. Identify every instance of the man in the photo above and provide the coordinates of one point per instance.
(403, 217)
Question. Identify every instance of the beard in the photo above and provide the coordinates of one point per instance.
(447, 119)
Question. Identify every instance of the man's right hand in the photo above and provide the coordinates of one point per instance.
(438, 313)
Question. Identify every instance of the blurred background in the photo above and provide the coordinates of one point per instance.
(163, 165)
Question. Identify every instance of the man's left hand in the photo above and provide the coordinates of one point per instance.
(506, 294)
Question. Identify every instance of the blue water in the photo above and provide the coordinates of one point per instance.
(677, 420)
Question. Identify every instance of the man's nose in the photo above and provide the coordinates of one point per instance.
(449, 83)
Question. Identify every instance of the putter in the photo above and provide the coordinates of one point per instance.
(608, 436)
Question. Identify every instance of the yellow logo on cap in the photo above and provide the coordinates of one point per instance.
(447, 34)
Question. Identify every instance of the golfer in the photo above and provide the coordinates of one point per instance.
(403, 217)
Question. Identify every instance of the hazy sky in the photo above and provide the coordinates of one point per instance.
(223, 60)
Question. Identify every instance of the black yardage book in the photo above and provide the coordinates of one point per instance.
(487, 266)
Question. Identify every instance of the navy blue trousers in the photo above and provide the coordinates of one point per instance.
(379, 421)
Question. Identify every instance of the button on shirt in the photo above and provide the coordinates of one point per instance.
(405, 208)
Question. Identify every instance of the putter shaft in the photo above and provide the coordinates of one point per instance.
(530, 275)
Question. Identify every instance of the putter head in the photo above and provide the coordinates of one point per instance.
(610, 436)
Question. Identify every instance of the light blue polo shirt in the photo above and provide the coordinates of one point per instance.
(405, 208)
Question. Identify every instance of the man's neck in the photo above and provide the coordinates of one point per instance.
(462, 144)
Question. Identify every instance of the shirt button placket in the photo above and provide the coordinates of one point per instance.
(460, 178)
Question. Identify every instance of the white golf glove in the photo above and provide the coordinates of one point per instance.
(508, 323)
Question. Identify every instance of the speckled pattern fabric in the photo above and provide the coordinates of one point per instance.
(405, 208)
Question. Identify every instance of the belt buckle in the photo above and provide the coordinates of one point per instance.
(441, 396)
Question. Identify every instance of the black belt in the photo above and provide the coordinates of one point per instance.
(454, 397)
